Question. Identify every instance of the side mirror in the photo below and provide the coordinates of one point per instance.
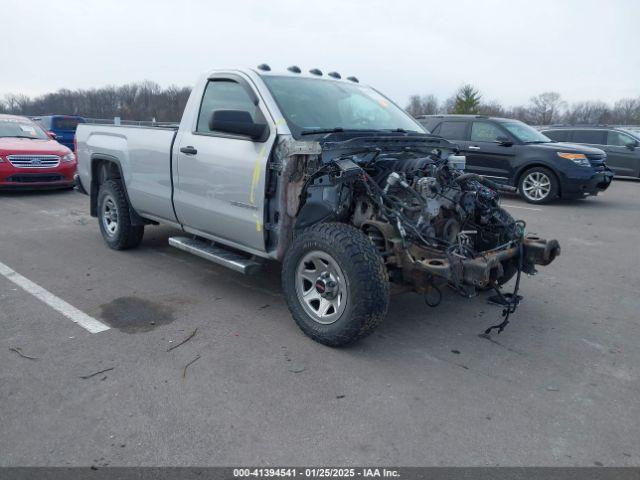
(52, 135)
(632, 145)
(236, 122)
(504, 141)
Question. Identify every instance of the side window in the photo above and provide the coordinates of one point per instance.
(428, 123)
(436, 131)
(595, 137)
(225, 95)
(558, 135)
(618, 139)
(485, 132)
(453, 130)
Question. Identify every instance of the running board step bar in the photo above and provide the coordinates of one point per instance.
(216, 254)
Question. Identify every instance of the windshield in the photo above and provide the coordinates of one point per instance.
(635, 132)
(21, 129)
(314, 104)
(525, 133)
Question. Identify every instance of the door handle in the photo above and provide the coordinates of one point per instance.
(473, 147)
(189, 150)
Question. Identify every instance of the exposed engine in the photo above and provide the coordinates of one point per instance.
(431, 222)
(432, 203)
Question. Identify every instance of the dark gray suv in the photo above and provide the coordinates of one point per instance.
(621, 144)
(513, 153)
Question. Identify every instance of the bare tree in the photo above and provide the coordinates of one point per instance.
(626, 111)
(414, 108)
(492, 109)
(449, 105)
(586, 113)
(425, 105)
(430, 104)
(135, 101)
(545, 108)
(17, 103)
(518, 113)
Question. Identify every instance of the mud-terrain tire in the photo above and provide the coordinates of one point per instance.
(538, 185)
(114, 217)
(338, 254)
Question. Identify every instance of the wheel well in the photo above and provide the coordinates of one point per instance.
(538, 165)
(102, 169)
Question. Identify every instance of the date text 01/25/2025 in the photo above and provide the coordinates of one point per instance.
(315, 473)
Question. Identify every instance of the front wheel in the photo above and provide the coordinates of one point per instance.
(335, 283)
(538, 185)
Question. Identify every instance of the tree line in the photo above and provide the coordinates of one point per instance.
(148, 101)
(544, 109)
(134, 101)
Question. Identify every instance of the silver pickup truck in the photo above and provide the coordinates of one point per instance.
(323, 174)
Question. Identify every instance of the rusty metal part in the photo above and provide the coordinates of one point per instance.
(294, 161)
(424, 267)
(538, 251)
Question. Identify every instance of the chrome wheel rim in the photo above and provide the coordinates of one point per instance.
(321, 287)
(109, 216)
(536, 186)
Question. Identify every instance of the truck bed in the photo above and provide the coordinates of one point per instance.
(144, 156)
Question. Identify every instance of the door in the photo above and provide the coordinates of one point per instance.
(486, 155)
(594, 138)
(623, 154)
(220, 177)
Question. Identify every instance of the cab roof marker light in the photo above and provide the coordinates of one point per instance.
(264, 67)
(294, 69)
(353, 79)
(315, 71)
(334, 75)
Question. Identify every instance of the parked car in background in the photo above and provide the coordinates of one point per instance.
(622, 145)
(30, 158)
(62, 126)
(513, 153)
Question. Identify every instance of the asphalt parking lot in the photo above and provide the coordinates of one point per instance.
(558, 387)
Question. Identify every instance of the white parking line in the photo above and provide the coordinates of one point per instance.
(524, 208)
(69, 311)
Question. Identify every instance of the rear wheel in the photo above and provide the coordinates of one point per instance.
(335, 284)
(114, 217)
(538, 185)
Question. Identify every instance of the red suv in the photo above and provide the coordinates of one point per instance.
(30, 158)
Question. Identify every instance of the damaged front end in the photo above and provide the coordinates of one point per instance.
(432, 223)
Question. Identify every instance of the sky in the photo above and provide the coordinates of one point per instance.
(509, 50)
